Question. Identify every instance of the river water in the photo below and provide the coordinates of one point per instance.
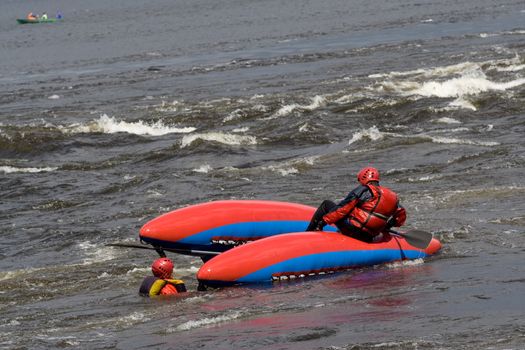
(128, 109)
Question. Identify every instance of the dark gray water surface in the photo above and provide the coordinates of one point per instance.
(128, 109)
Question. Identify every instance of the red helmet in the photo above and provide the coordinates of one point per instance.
(162, 268)
(368, 174)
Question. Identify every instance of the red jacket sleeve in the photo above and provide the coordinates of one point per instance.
(340, 212)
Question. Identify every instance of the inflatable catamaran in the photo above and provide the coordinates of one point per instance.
(253, 241)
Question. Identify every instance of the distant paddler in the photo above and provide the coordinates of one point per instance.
(32, 17)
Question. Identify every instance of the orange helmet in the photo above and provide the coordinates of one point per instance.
(162, 268)
(368, 174)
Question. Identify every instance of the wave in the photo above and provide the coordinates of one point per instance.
(470, 84)
(317, 102)
(110, 125)
(236, 114)
(291, 167)
(513, 68)
(374, 134)
(458, 81)
(203, 169)
(94, 253)
(11, 169)
(227, 139)
(431, 72)
(448, 120)
(208, 321)
(425, 178)
(282, 170)
(450, 140)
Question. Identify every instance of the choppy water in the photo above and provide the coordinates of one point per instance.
(128, 109)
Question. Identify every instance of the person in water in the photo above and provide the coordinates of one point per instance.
(162, 282)
(365, 213)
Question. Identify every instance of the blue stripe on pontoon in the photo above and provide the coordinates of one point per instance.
(331, 260)
(248, 230)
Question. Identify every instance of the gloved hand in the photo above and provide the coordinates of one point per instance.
(390, 223)
(320, 225)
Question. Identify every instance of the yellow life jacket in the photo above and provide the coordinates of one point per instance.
(152, 285)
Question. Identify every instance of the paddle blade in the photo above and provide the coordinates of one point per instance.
(418, 238)
(129, 245)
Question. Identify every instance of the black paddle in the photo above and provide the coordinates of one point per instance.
(418, 238)
(161, 250)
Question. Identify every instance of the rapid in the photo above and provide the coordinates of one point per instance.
(126, 110)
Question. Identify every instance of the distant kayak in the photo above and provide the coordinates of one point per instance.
(34, 21)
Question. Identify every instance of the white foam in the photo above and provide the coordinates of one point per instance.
(394, 170)
(5, 275)
(260, 108)
(487, 35)
(511, 68)
(398, 74)
(442, 71)
(11, 169)
(196, 299)
(462, 103)
(204, 169)
(285, 110)
(191, 269)
(54, 97)
(455, 81)
(154, 194)
(447, 120)
(469, 84)
(95, 253)
(448, 131)
(282, 169)
(412, 262)
(236, 114)
(372, 133)
(291, 167)
(138, 270)
(304, 128)
(208, 321)
(66, 340)
(425, 178)
(110, 125)
(451, 140)
(133, 318)
(317, 102)
(227, 139)
(169, 107)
